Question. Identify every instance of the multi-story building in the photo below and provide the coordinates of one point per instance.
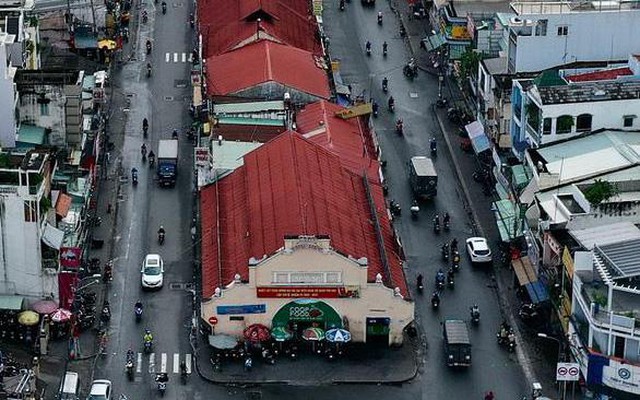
(52, 100)
(548, 34)
(29, 240)
(560, 104)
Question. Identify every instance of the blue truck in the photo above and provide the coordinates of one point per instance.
(167, 162)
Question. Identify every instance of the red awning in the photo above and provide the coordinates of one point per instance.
(63, 204)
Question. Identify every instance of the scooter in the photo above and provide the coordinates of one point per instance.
(436, 224)
(394, 207)
(475, 315)
(420, 284)
(434, 147)
(415, 209)
(380, 18)
(129, 367)
(145, 17)
(374, 109)
(148, 70)
(435, 301)
(138, 311)
(148, 346)
(341, 5)
(161, 238)
(148, 47)
(444, 250)
(399, 127)
(164, 8)
(134, 177)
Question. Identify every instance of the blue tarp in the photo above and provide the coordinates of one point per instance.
(537, 292)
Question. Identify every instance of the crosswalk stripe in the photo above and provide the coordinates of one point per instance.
(139, 363)
(163, 363)
(187, 359)
(176, 363)
(175, 57)
(152, 363)
(167, 57)
(190, 57)
(184, 57)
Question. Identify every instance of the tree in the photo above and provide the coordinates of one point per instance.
(469, 61)
(600, 191)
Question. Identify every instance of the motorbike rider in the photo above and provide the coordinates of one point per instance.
(192, 20)
(435, 297)
(415, 208)
(374, 108)
(446, 219)
(440, 276)
(148, 46)
(391, 102)
(385, 83)
(134, 173)
(433, 144)
(145, 124)
(450, 275)
(399, 126)
(143, 150)
(161, 230)
(138, 305)
(454, 244)
(379, 17)
(152, 156)
(183, 368)
(475, 311)
(419, 280)
(436, 221)
(174, 134)
(148, 337)
(505, 329)
(164, 7)
(384, 48)
(489, 396)
(367, 46)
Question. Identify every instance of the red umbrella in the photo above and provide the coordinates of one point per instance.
(60, 315)
(45, 306)
(256, 333)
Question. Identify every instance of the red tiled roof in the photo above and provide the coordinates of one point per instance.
(265, 62)
(350, 139)
(230, 24)
(291, 186)
(602, 75)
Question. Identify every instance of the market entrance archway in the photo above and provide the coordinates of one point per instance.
(300, 314)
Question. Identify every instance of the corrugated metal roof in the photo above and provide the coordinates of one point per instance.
(605, 235)
(347, 138)
(263, 62)
(231, 24)
(622, 258)
(248, 107)
(457, 332)
(291, 186)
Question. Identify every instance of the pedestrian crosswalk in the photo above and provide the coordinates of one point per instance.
(156, 363)
(178, 57)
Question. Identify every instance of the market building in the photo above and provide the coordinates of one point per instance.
(293, 238)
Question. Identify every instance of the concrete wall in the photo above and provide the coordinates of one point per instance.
(375, 300)
(7, 101)
(276, 91)
(592, 36)
(31, 111)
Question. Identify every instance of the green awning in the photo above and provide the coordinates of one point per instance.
(520, 176)
(506, 214)
(30, 136)
(9, 302)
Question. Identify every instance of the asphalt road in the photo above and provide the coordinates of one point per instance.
(164, 99)
(145, 207)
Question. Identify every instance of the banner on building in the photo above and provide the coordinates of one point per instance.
(70, 257)
(306, 292)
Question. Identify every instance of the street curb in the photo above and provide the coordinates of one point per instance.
(288, 382)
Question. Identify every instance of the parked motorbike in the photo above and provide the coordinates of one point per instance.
(506, 338)
(442, 103)
(394, 207)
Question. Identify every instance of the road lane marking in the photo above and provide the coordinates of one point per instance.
(167, 57)
(163, 363)
(139, 363)
(176, 363)
(190, 57)
(184, 57)
(175, 57)
(187, 359)
(152, 363)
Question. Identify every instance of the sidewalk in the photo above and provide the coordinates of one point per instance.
(538, 364)
(360, 365)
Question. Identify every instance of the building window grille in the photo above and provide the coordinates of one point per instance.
(563, 30)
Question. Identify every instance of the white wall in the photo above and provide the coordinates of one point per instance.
(605, 114)
(592, 36)
(7, 102)
(31, 113)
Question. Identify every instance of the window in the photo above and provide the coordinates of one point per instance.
(44, 109)
(583, 122)
(563, 30)
(564, 124)
(30, 212)
(628, 120)
(316, 278)
(546, 126)
(618, 347)
(541, 27)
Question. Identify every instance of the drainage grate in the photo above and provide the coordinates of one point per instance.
(176, 286)
(180, 83)
(168, 98)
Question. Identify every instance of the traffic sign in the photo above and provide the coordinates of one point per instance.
(213, 320)
(567, 372)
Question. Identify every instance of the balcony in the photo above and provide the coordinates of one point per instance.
(627, 322)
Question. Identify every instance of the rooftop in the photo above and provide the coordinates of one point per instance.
(350, 139)
(600, 75)
(587, 91)
(621, 258)
(291, 186)
(587, 155)
(572, 7)
(227, 156)
(25, 77)
(264, 62)
(231, 24)
(248, 131)
(605, 235)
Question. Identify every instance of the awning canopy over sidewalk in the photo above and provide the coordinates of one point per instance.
(479, 140)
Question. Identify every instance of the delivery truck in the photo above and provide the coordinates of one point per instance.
(167, 162)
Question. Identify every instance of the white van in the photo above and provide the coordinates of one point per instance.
(69, 387)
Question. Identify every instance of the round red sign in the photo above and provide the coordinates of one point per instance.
(213, 320)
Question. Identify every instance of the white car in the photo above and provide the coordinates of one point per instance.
(152, 271)
(100, 390)
(478, 250)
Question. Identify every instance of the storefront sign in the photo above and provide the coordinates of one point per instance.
(201, 156)
(624, 377)
(307, 292)
(305, 310)
(70, 257)
(567, 260)
(242, 309)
